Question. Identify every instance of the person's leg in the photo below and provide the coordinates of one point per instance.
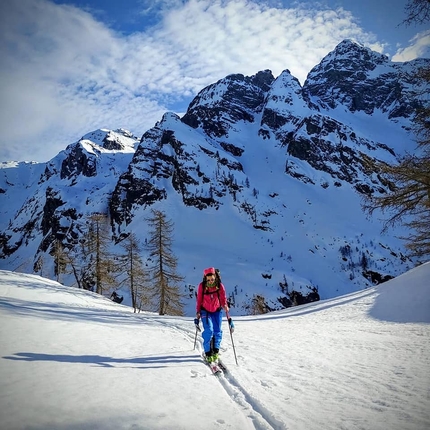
(208, 332)
(217, 331)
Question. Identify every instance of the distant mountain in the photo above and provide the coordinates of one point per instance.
(262, 177)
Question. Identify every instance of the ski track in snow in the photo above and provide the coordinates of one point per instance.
(343, 363)
(260, 417)
(263, 417)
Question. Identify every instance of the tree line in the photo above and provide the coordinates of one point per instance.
(154, 285)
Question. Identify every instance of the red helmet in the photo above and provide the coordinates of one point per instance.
(208, 271)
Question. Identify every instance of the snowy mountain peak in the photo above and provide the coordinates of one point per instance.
(234, 98)
(356, 54)
(260, 173)
(358, 79)
(118, 140)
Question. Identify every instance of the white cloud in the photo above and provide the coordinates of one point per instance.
(240, 36)
(420, 47)
(63, 73)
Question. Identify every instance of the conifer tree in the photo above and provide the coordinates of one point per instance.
(100, 269)
(78, 257)
(134, 273)
(163, 270)
(39, 265)
(61, 259)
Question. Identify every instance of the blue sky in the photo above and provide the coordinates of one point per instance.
(71, 67)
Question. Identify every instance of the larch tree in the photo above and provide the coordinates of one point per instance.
(165, 291)
(78, 257)
(133, 272)
(61, 259)
(100, 269)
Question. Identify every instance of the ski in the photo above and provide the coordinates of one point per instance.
(216, 369)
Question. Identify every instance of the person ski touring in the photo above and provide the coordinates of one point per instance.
(211, 300)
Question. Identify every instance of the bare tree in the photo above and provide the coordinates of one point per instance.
(100, 268)
(39, 265)
(258, 305)
(134, 273)
(78, 258)
(408, 202)
(163, 272)
(61, 259)
(417, 11)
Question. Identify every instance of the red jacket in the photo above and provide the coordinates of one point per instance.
(212, 299)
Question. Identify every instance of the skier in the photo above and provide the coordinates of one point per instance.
(211, 299)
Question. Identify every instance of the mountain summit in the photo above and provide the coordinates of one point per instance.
(261, 176)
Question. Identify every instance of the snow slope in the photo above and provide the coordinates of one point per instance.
(71, 359)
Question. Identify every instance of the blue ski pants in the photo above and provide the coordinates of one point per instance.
(211, 328)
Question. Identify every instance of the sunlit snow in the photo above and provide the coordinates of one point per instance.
(71, 359)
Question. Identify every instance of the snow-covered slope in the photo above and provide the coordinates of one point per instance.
(72, 359)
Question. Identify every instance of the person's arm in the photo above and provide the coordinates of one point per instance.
(223, 298)
(199, 300)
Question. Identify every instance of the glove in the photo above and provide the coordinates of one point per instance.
(231, 325)
(197, 324)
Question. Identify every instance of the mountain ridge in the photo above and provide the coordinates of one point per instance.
(255, 152)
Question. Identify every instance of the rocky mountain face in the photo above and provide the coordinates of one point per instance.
(78, 181)
(301, 119)
(244, 148)
(362, 80)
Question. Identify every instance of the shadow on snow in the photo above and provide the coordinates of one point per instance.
(161, 360)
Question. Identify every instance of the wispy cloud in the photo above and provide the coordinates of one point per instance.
(63, 73)
(419, 47)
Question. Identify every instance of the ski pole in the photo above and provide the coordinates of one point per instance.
(196, 323)
(231, 329)
(195, 339)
